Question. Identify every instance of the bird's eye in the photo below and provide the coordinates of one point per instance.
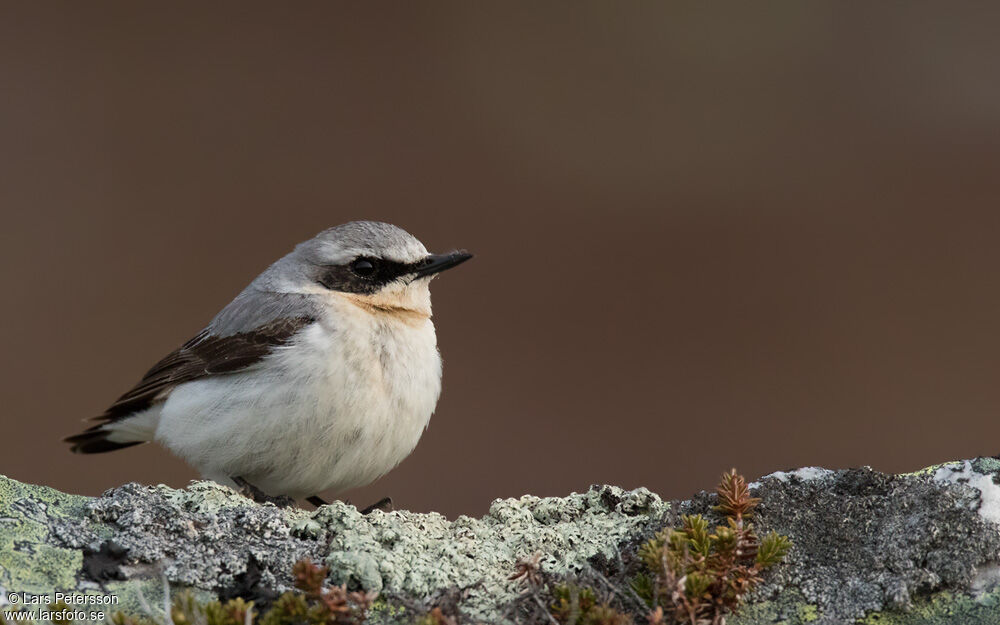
(363, 267)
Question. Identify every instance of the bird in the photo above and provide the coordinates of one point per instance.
(320, 375)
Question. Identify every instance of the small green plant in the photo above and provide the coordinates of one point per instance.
(695, 575)
(569, 603)
(436, 617)
(332, 605)
(576, 605)
(691, 575)
(311, 603)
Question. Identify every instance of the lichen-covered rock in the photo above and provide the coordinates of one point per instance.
(478, 555)
(868, 547)
(207, 537)
(32, 558)
(866, 542)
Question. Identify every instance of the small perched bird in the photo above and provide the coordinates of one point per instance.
(322, 374)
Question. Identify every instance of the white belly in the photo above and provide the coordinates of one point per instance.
(335, 409)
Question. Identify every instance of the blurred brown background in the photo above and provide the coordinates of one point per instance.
(760, 237)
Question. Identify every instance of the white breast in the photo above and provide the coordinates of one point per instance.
(342, 404)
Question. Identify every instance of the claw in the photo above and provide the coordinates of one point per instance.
(384, 504)
(250, 491)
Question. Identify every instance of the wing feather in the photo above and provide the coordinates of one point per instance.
(204, 355)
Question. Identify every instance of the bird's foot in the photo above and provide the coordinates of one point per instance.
(384, 504)
(250, 491)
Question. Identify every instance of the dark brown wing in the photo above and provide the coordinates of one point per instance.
(202, 356)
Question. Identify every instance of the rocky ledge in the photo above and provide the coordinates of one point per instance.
(867, 547)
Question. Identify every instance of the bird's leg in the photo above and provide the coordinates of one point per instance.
(384, 504)
(317, 501)
(252, 492)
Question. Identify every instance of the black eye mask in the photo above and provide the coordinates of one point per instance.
(364, 275)
(367, 274)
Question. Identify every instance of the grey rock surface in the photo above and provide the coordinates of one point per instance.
(917, 548)
(868, 542)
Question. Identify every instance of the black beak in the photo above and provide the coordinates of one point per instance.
(436, 263)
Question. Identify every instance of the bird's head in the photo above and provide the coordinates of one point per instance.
(375, 265)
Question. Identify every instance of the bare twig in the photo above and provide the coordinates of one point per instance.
(635, 599)
(544, 608)
(167, 616)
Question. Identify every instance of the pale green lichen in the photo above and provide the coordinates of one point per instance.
(205, 497)
(986, 464)
(28, 560)
(788, 608)
(864, 541)
(136, 596)
(944, 608)
(981, 465)
(808, 613)
(382, 611)
(206, 536)
(382, 552)
(41, 570)
(931, 470)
